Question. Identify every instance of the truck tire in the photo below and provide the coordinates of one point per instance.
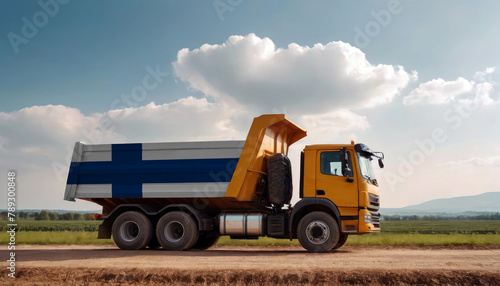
(177, 231)
(207, 240)
(132, 230)
(279, 179)
(342, 240)
(318, 232)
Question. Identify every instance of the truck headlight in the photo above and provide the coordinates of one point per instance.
(368, 218)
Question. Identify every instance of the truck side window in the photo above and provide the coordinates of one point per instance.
(331, 165)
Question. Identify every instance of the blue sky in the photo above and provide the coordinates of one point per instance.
(90, 48)
(90, 53)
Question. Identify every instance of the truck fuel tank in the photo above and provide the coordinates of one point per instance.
(241, 224)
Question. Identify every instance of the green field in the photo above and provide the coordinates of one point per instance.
(418, 233)
(54, 225)
(442, 227)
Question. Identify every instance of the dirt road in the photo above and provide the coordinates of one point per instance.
(255, 265)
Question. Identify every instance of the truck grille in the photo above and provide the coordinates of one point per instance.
(373, 209)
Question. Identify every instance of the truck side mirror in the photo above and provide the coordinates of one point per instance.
(344, 161)
(381, 163)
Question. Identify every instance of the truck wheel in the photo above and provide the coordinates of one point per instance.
(318, 232)
(132, 230)
(207, 240)
(177, 231)
(342, 240)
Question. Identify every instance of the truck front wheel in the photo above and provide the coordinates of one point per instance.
(177, 231)
(132, 230)
(318, 232)
(342, 240)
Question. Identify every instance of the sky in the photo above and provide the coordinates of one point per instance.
(417, 80)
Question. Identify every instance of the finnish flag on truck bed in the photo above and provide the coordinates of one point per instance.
(152, 170)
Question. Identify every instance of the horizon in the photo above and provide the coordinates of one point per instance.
(424, 92)
(382, 208)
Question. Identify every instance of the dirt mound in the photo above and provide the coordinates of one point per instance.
(50, 276)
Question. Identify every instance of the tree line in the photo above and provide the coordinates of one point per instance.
(50, 215)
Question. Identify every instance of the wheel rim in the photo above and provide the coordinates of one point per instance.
(129, 231)
(317, 232)
(174, 231)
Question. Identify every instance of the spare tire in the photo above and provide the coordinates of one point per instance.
(279, 179)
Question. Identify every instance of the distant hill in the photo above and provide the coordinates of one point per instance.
(468, 205)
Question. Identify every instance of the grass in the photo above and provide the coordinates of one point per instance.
(395, 233)
(442, 227)
(389, 239)
(56, 237)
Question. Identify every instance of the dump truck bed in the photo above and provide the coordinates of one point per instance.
(152, 170)
(219, 174)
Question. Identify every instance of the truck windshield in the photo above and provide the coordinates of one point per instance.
(365, 166)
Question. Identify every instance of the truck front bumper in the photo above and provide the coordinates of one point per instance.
(368, 221)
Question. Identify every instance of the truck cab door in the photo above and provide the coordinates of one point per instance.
(332, 182)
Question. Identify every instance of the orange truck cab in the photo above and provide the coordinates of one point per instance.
(343, 175)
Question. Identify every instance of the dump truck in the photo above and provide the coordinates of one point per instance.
(185, 195)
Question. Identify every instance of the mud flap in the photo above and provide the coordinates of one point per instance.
(104, 231)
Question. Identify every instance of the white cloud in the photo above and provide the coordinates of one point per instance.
(482, 76)
(34, 137)
(439, 91)
(46, 129)
(330, 126)
(254, 72)
(475, 161)
(42, 126)
(482, 94)
(185, 119)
